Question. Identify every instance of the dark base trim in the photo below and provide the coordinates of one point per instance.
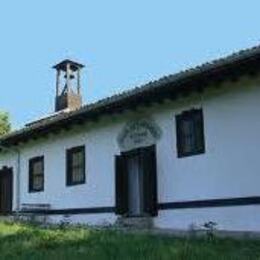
(211, 203)
(227, 202)
(74, 211)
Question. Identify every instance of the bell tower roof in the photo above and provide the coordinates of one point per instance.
(63, 65)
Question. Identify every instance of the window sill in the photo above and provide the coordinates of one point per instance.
(75, 184)
(191, 154)
(35, 191)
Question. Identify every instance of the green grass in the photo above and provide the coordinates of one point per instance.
(19, 241)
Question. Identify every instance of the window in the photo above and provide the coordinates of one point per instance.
(36, 174)
(190, 133)
(75, 165)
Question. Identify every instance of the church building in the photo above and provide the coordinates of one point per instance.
(175, 153)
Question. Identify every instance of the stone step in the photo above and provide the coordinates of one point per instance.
(135, 222)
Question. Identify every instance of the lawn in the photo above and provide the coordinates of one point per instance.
(19, 241)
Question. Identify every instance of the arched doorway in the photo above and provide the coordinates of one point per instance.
(136, 169)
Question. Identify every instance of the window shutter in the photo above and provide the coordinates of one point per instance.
(6, 189)
(200, 143)
(75, 165)
(30, 175)
(148, 160)
(179, 139)
(121, 185)
(9, 189)
(68, 168)
(190, 133)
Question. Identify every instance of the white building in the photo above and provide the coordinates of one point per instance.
(176, 152)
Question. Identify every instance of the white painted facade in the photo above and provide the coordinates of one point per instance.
(229, 168)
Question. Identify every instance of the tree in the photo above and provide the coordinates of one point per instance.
(5, 125)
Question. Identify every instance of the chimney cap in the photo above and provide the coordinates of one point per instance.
(74, 66)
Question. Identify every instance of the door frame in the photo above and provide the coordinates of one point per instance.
(140, 151)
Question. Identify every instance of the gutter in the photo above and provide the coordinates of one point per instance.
(18, 171)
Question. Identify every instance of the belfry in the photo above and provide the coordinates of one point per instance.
(68, 85)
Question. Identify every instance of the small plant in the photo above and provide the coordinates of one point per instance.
(210, 228)
(65, 222)
(192, 231)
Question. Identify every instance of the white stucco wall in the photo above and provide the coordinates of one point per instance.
(99, 187)
(229, 168)
(231, 160)
(237, 218)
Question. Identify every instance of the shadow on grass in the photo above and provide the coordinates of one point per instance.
(78, 243)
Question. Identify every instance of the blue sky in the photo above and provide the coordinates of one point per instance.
(122, 44)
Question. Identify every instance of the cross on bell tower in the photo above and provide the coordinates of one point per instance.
(68, 85)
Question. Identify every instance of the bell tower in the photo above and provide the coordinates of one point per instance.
(68, 85)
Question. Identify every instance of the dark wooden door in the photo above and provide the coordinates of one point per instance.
(121, 185)
(6, 191)
(147, 162)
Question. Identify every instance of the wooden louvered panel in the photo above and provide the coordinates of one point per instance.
(6, 191)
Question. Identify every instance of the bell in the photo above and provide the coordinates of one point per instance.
(71, 76)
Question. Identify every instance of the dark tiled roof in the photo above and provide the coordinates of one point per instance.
(245, 61)
(73, 65)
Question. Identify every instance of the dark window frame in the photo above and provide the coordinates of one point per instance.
(69, 167)
(196, 117)
(32, 161)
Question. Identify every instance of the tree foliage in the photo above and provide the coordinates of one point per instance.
(5, 125)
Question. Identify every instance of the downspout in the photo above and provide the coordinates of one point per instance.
(18, 171)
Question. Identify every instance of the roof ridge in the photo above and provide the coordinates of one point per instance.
(175, 77)
(236, 54)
